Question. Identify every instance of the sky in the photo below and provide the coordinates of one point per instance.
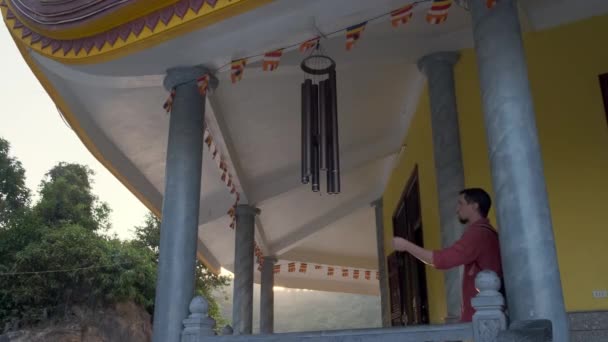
(40, 139)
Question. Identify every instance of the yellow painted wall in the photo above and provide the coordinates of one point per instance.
(564, 64)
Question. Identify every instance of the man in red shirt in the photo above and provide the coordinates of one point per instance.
(477, 249)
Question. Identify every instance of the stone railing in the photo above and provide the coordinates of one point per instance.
(488, 322)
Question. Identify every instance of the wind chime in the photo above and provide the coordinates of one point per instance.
(320, 143)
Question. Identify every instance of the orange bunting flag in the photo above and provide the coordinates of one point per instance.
(277, 269)
(291, 267)
(272, 59)
(237, 69)
(345, 272)
(169, 103)
(402, 15)
(439, 11)
(330, 271)
(356, 274)
(303, 267)
(203, 84)
(223, 165)
(309, 44)
(368, 275)
(353, 34)
(491, 3)
(207, 137)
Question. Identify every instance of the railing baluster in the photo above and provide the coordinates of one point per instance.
(198, 324)
(489, 318)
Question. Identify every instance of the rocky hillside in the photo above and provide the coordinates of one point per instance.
(121, 322)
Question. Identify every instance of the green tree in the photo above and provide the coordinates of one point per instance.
(66, 197)
(14, 195)
(148, 236)
(71, 265)
(53, 257)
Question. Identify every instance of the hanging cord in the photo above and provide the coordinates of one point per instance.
(63, 270)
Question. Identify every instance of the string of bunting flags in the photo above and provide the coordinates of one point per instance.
(226, 177)
(437, 14)
(326, 270)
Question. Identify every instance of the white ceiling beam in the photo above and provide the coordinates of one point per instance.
(352, 159)
(322, 222)
(260, 236)
(219, 130)
(213, 207)
(287, 180)
(221, 137)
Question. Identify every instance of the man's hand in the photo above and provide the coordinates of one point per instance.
(400, 244)
(403, 245)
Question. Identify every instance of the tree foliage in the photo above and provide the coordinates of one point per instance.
(14, 195)
(148, 236)
(54, 255)
(85, 268)
(66, 197)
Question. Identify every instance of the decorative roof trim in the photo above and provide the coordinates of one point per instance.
(186, 15)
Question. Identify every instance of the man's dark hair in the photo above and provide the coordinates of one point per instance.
(479, 196)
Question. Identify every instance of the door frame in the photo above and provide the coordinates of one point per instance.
(412, 271)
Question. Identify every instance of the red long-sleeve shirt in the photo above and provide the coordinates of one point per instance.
(477, 250)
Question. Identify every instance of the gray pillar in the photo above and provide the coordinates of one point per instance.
(449, 173)
(531, 270)
(384, 290)
(267, 296)
(179, 228)
(242, 307)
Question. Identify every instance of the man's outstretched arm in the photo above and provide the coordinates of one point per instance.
(461, 252)
(403, 245)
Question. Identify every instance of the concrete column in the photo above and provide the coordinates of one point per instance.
(179, 227)
(242, 306)
(384, 289)
(449, 172)
(531, 270)
(267, 296)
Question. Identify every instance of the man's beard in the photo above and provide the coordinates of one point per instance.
(463, 220)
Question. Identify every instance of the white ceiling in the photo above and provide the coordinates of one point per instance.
(256, 122)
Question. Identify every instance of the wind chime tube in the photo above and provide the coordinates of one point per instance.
(335, 164)
(314, 132)
(322, 125)
(328, 143)
(306, 97)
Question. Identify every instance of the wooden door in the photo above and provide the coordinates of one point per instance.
(411, 275)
